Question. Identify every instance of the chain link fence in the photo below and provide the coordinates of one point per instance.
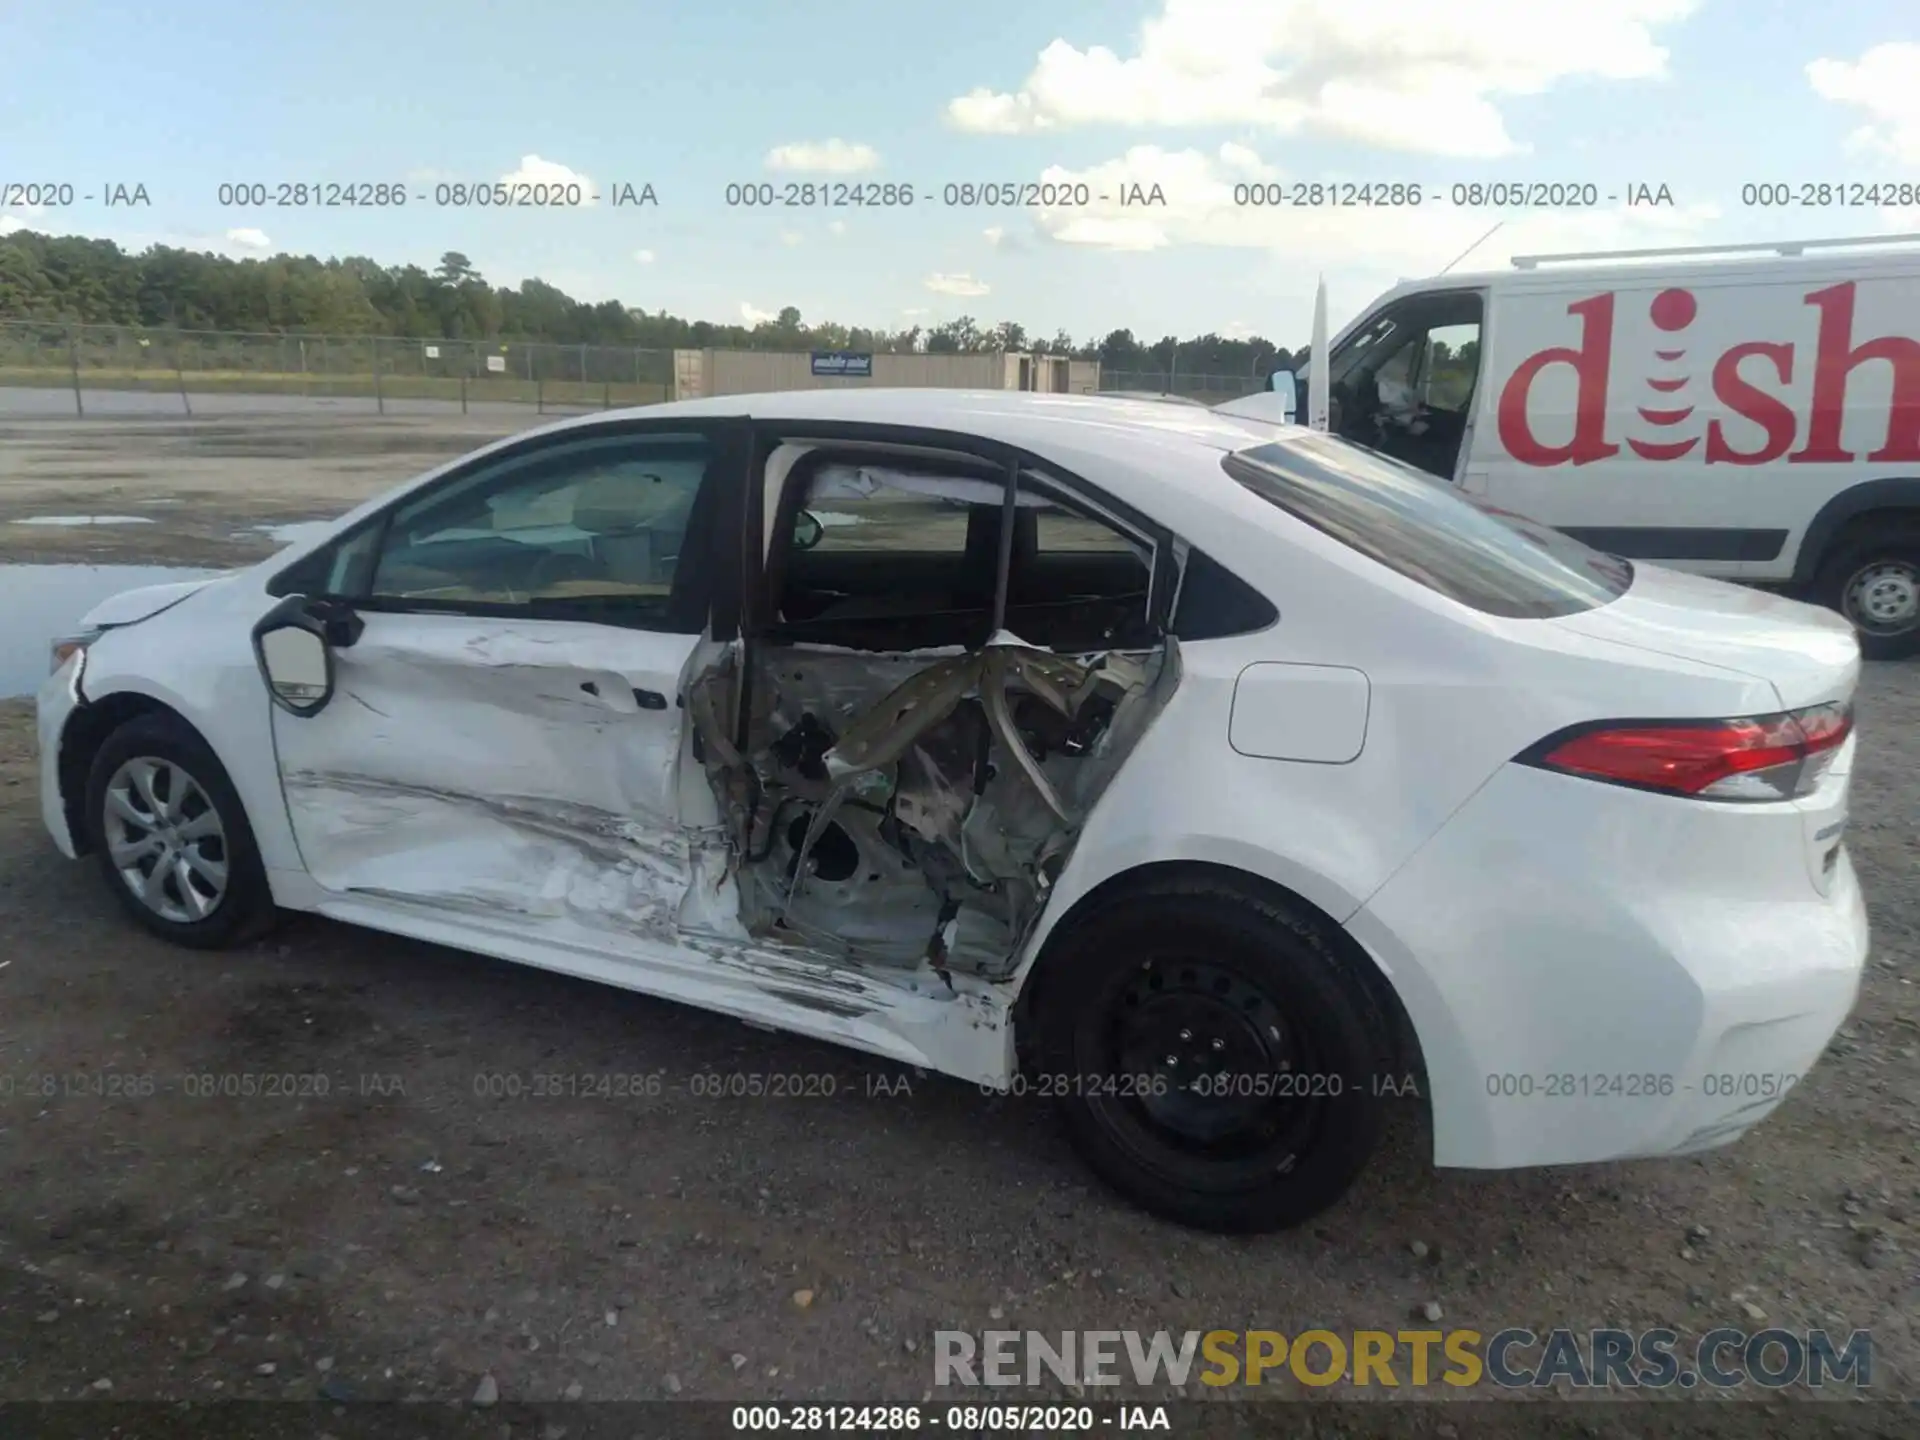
(53, 369)
(1209, 389)
(383, 373)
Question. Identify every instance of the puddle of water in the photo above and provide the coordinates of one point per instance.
(66, 520)
(45, 601)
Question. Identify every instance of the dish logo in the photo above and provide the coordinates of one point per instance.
(1662, 424)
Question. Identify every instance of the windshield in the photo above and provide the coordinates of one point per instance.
(1491, 559)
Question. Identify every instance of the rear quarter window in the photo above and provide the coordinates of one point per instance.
(1492, 560)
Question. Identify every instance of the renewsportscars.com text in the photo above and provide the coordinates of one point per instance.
(1507, 1359)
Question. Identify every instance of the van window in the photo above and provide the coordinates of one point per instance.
(1492, 560)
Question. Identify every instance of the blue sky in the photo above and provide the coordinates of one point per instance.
(1194, 95)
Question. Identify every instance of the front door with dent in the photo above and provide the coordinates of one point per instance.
(506, 731)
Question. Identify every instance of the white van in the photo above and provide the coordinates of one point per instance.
(1749, 412)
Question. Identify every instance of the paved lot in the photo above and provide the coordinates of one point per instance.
(415, 1232)
(50, 403)
(202, 483)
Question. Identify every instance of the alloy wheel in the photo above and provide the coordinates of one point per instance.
(165, 839)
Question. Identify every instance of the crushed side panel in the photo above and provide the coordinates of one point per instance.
(913, 809)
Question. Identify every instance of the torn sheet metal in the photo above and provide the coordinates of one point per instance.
(922, 828)
(889, 730)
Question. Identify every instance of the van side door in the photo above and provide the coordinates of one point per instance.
(1602, 415)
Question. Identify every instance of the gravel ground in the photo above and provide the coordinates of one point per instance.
(404, 1235)
(203, 484)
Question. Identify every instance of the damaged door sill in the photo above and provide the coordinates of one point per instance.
(905, 1015)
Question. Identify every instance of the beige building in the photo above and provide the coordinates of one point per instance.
(698, 373)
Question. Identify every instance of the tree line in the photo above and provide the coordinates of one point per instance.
(72, 280)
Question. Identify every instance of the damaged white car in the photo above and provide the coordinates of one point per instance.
(1217, 779)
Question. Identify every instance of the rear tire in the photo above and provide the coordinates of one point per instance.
(1214, 1054)
(1875, 584)
(171, 837)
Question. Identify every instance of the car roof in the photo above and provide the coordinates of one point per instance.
(1165, 397)
(1105, 426)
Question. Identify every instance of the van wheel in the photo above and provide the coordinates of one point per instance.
(1214, 1055)
(1876, 585)
(171, 837)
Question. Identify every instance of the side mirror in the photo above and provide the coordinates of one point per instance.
(290, 647)
(807, 530)
(1282, 383)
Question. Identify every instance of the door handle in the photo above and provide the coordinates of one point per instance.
(649, 699)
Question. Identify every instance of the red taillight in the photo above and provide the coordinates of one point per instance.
(1766, 757)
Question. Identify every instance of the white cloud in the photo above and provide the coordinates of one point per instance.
(914, 312)
(1364, 70)
(791, 237)
(1902, 221)
(249, 238)
(1885, 83)
(1199, 188)
(755, 316)
(831, 157)
(836, 227)
(14, 221)
(1001, 238)
(644, 257)
(963, 284)
(535, 171)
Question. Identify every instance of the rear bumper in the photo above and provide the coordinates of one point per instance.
(58, 696)
(1602, 976)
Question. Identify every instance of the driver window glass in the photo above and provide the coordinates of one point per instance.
(1452, 356)
(1362, 348)
(587, 523)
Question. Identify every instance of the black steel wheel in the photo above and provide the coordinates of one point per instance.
(1215, 1054)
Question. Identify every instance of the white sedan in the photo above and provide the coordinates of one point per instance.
(1216, 778)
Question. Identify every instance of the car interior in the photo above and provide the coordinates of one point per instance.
(878, 556)
(557, 533)
(1405, 386)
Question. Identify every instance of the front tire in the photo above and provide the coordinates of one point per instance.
(1215, 1055)
(172, 838)
(1876, 586)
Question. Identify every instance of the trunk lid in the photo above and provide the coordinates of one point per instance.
(1809, 655)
